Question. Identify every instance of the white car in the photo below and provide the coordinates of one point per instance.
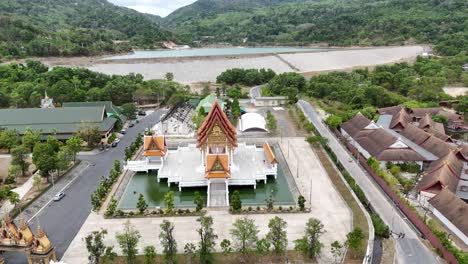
(59, 196)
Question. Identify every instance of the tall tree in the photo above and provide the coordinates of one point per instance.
(64, 158)
(95, 245)
(8, 139)
(89, 133)
(337, 250)
(74, 145)
(245, 234)
(45, 158)
(169, 201)
(30, 138)
(168, 241)
(150, 255)
(236, 111)
(129, 109)
(169, 76)
(236, 202)
(310, 244)
(141, 204)
(19, 157)
(277, 234)
(198, 200)
(128, 241)
(207, 239)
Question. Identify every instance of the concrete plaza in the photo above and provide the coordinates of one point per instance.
(327, 206)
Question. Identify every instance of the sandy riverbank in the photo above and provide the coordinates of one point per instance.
(196, 69)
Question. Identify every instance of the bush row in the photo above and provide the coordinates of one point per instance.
(98, 196)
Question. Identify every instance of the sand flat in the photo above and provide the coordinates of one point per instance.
(190, 70)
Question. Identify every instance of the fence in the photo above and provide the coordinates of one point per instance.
(410, 214)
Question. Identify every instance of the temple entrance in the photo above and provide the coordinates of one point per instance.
(217, 194)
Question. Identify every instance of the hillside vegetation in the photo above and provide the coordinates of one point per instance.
(335, 22)
(69, 27)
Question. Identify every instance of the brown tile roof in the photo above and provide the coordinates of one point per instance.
(216, 116)
(390, 110)
(453, 208)
(421, 112)
(154, 146)
(444, 172)
(434, 128)
(400, 120)
(444, 137)
(378, 143)
(355, 124)
(427, 141)
(426, 122)
(269, 153)
(462, 152)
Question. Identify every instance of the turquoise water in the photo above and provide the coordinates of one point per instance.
(145, 54)
(154, 192)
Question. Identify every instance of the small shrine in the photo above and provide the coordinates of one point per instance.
(47, 102)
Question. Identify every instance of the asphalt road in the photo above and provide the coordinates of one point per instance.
(62, 220)
(409, 249)
(256, 91)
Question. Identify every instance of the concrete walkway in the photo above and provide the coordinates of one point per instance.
(7, 207)
(327, 206)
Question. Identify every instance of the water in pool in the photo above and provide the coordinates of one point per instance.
(154, 192)
(146, 54)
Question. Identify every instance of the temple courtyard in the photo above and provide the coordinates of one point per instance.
(310, 177)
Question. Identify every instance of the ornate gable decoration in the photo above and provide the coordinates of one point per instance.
(217, 127)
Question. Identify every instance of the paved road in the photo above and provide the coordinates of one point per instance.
(410, 249)
(256, 91)
(62, 220)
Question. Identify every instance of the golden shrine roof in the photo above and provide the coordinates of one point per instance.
(42, 242)
(217, 166)
(217, 175)
(211, 160)
(269, 153)
(154, 146)
(217, 116)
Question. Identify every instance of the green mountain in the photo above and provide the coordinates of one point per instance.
(72, 27)
(210, 8)
(334, 22)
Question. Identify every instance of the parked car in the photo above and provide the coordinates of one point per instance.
(141, 113)
(59, 196)
(131, 124)
(123, 131)
(115, 143)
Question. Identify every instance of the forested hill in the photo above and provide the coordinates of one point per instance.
(210, 8)
(335, 22)
(73, 27)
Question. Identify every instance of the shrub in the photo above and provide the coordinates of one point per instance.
(380, 228)
(10, 179)
(301, 202)
(236, 203)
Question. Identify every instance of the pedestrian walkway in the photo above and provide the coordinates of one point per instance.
(217, 193)
(7, 207)
(327, 206)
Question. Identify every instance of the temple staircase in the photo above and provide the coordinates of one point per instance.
(217, 194)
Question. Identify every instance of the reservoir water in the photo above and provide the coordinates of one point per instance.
(146, 54)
